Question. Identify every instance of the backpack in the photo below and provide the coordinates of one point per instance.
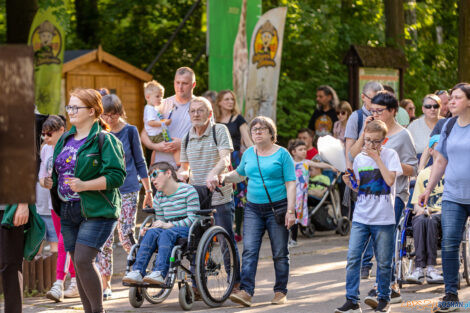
(360, 121)
(186, 139)
(450, 124)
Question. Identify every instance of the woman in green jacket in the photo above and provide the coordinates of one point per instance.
(88, 170)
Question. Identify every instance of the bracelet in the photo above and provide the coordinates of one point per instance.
(290, 212)
(150, 191)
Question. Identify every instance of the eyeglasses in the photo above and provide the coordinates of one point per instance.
(429, 106)
(342, 113)
(374, 142)
(48, 134)
(110, 115)
(258, 130)
(155, 173)
(198, 112)
(378, 112)
(367, 96)
(74, 109)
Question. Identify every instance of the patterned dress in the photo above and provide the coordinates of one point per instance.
(301, 184)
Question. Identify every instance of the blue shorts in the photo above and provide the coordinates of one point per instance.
(51, 235)
(76, 229)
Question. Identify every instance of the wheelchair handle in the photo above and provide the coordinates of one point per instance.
(148, 209)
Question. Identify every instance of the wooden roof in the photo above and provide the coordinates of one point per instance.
(75, 58)
(376, 57)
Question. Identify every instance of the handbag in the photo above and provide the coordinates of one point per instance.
(280, 208)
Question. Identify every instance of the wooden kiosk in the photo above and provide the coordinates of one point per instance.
(383, 64)
(97, 69)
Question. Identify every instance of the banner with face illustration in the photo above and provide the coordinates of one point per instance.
(265, 64)
(46, 36)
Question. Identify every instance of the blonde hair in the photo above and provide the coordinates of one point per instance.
(152, 87)
(376, 126)
(433, 97)
(220, 96)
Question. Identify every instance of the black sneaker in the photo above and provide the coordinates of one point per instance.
(446, 304)
(371, 299)
(349, 307)
(395, 296)
(365, 273)
(383, 306)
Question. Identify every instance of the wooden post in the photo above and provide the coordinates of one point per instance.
(32, 276)
(47, 272)
(40, 273)
(53, 267)
(464, 41)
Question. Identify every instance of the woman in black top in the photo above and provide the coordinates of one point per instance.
(227, 112)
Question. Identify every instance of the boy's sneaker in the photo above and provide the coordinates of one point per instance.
(133, 277)
(349, 307)
(107, 294)
(56, 293)
(155, 278)
(395, 296)
(365, 273)
(72, 290)
(292, 243)
(241, 297)
(383, 306)
(416, 277)
(446, 304)
(371, 299)
(279, 298)
(433, 276)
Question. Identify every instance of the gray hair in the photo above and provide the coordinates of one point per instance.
(266, 122)
(372, 86)
(186, 70)
(202, 100)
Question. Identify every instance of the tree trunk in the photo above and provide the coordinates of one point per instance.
(20, 15)
(394, 23)
(410, 19)
(87, 22)
(464, 40)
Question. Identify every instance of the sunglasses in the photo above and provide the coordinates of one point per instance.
(155, 173)
(342, 113)
(48, 134)
(429, 106)
(440, 92)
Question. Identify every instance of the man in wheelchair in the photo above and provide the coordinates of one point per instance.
(426, 226)
(174, 204)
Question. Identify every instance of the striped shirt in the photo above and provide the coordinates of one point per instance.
(203, 154)
(181, 204)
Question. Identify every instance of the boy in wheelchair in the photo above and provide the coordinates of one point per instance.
(426, 225)
(174, 204)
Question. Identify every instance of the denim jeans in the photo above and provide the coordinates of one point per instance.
(259, 218)
(224, 217)
(369, 252)
(453, 219)
(165, 240)
(382, 242)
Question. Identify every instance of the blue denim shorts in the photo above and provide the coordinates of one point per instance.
(51, 235)
(77, 229)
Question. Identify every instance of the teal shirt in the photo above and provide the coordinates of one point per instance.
(277, 169)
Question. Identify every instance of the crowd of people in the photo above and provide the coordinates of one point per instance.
(90, 178)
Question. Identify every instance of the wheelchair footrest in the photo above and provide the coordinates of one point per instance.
(147, 285)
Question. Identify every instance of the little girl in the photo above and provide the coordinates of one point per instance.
(298, 149)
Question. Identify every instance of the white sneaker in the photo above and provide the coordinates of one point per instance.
(155, 278)
(292, 243)
(133, 277)
(107, 294)
(433, 276)
(57, 292)
(72, 290)
(417, 276)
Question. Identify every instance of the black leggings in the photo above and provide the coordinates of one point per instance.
(88, 278)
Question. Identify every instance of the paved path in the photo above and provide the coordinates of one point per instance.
(317, 284)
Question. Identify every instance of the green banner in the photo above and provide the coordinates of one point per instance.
(47, 38)
(223, 19)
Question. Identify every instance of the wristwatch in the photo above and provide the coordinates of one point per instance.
(290, 211)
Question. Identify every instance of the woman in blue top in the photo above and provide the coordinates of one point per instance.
(271, 184)
(452, 160)
(136, 170)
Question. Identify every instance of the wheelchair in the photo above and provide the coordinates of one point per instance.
(206, 259)
(405, 250)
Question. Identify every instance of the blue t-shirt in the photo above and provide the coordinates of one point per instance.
(456, 149)
(136, 168)
(277, 169)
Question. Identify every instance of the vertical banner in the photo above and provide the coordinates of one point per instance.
(222, 25)
(240, 59)
(47, 39)
(265, 64)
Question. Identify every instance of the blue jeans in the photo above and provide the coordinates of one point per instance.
(382, 242)
(224, 217)
(453, 219)
(369, 252)
(75, 228)
(259, 218)
(165, 240)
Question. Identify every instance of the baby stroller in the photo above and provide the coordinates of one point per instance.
(206, 258)
(325, 213)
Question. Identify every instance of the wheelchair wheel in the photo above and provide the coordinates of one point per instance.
(404, 255)
(135, 297)
(309, 230)
(344, 226)
(158, 295)
(186, 297)
(215, 266)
